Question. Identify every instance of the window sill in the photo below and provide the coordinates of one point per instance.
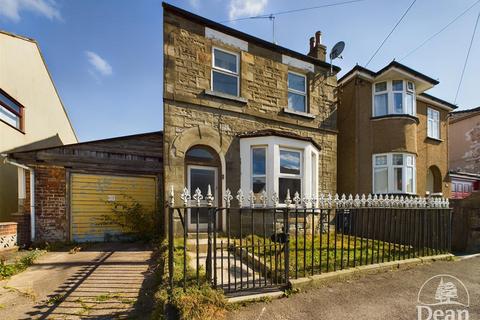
(220, 95)
(435, 139)
(13, 127)
(299, 113)
(396, 116)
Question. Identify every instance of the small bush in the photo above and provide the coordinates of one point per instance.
(134, 220)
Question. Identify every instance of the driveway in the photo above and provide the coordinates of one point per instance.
(107, 281)
(390, 295)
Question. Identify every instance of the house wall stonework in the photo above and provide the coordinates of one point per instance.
(361, 136)
(193, 116)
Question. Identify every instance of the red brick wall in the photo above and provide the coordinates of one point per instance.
(7, 228)
(50, 203)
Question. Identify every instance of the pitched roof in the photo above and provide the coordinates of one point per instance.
(460, 114)
(393, 64)
(441, 101)
(48, 73)
(244, 36)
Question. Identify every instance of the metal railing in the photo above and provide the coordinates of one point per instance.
(262, 245)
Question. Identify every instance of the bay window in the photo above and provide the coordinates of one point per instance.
(433, 123)
(277, 164)
(297, 92)
(394, 173)
(225, 72)
(394, 97)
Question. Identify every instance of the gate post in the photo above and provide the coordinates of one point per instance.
(170, 248)
(286, 218)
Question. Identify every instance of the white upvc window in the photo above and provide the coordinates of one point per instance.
(393, 97)
(225, 72)
(259, 169)
(394, 173)
(290, 172)
(433, 123)
(297, 92)
(277, 164)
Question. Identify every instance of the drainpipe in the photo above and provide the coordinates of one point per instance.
(32, 194)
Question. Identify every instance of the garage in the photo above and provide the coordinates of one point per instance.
(93, 196)
(77, 186)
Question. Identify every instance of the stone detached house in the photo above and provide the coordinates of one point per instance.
(244, 113)
(31, 114)
(464, 152)
(393, 137)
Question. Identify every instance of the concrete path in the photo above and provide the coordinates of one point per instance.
(388, 295)
(107, 281)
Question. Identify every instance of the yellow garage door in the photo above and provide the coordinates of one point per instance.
(92, 197)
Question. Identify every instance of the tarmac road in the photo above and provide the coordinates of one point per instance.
(386, 295)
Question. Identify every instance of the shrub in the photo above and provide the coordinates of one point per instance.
(133, 219)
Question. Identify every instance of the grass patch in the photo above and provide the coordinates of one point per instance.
(9, 269)
(196, 302)
(310, 254)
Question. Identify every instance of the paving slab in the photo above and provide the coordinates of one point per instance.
(107, 281)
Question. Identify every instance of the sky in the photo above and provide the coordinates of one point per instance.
(105, 56)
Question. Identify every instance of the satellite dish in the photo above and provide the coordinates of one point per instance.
(337, 50)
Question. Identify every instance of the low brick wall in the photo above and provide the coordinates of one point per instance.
(8, 235)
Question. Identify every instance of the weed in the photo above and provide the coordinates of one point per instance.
(10, 269)
(56, 299)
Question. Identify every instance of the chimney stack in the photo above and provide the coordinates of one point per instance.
(317, 49)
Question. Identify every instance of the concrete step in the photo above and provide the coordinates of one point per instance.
(203, 244)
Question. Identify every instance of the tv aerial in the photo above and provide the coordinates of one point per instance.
(336, 52)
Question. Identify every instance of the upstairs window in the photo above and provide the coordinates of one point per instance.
(380, 99)
(394, 97)
(433, 123)
(297, 92)
(11, 112)
(225, 72)
(394, 173)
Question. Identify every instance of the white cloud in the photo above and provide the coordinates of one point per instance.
(99, 64)
(11, 9)
(242, 8)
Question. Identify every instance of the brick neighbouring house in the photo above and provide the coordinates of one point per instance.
(393, 137)
(75, 184)
(241, 112)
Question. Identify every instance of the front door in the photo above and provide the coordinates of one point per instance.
(201, 177)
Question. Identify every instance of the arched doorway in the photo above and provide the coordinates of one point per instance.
(434, 180)
(202, 165)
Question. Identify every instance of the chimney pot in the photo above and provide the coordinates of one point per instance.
(312, 43)
(318, 38)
